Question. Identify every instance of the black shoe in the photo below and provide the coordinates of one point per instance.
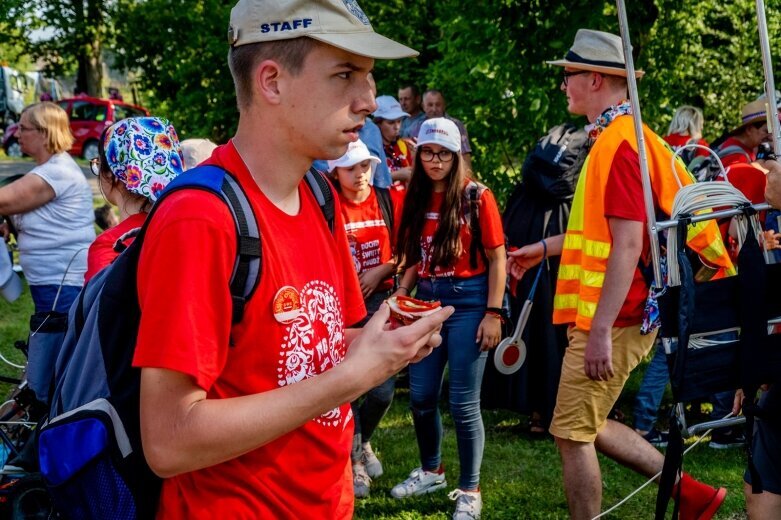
(657, 438)
(726, 439)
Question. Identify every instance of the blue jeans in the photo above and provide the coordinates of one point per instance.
(651, 391)
(466, 364)
(44, 296)
(369, 409)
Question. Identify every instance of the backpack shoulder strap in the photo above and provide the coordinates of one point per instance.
(474, 191)
(386, 207)
(249, 257)
(732, 149)
(323, 193)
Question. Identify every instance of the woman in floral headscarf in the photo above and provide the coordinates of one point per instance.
(137, 158)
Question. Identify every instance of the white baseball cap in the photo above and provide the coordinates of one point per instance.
(341, 23)
(388, 108)
(441, 131)
(356, 152)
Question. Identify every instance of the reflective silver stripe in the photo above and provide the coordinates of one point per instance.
(102, 405)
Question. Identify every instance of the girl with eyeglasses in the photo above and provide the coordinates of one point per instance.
(451, 244)
(137, 158)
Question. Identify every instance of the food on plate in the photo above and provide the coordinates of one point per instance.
(406, 310)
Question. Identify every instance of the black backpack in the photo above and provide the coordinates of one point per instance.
(90, 450)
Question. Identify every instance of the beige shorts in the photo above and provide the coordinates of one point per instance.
(582, 404)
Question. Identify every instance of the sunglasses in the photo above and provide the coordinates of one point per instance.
(567, 75)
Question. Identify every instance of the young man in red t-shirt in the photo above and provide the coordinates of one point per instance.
(253, 421)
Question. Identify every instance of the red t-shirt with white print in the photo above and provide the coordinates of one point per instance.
(490, 226)
(293, 329)
(371, 243)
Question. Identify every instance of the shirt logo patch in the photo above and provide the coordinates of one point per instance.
(287, 304)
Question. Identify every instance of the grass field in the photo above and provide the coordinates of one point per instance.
(521, 476)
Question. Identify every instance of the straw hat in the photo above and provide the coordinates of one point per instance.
(755, 111)
(596, 51)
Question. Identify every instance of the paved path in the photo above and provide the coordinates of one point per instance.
(10, 167)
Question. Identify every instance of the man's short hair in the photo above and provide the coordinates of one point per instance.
(243, 60)
(434, 91)
(616, 82)
(415, 91)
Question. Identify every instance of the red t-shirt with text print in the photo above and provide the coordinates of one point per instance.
(490, 226)
(293, 329)
(371, 243)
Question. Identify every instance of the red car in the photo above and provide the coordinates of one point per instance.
(88, 118)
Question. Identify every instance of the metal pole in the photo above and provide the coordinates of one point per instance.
(638, 120)
(770, 87)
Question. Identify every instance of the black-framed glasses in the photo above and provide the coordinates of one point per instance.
(94, 166)
(427, 155)
(567, 75)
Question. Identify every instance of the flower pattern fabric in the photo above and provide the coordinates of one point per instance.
(144, 153)
(605, 118)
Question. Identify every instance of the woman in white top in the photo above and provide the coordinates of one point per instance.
(50, 209)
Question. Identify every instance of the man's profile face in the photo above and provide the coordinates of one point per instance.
(575, 85)
(409, 103)
(757, 135)
(327, 102)
(433, 105)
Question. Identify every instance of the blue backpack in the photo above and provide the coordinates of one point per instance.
(90, 450)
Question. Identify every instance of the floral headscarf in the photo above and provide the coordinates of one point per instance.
(143, 152)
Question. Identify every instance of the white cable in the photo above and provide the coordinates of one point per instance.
(7, 362)
(694, 146)
(699, 198)
(649, 481)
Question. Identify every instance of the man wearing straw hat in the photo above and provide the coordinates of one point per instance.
(741, 145)
(601, 292)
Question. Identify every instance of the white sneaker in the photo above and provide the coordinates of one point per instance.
(469, 504)
(419, 482)
(370, 460)
(361, 481)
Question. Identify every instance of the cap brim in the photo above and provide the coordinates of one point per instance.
(612, 71)
(391, 117)
(369, 44)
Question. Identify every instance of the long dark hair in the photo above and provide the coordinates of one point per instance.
(446, 244)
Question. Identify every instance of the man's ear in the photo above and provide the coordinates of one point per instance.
(266, 81)
(597, 80)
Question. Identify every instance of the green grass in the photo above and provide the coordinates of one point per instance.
(14, 326)
(521, 476)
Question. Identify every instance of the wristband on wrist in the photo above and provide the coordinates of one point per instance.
(495, 311)
(405, 288)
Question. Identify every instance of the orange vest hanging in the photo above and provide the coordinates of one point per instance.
(587, 242)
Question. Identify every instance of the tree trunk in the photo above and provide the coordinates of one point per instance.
(89, 17)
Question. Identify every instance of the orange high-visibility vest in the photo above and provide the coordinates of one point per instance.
(587, 242)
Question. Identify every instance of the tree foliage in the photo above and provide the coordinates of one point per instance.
(487, 57)
(71, 35)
